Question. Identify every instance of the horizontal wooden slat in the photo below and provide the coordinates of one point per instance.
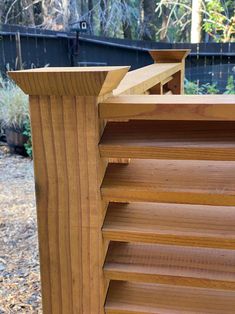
(166, 107)
(174, 181)
(140, 80)
(188, 225)
(199, 140)
(136, 298)
(176, 265)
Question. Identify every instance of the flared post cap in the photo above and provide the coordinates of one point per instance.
(169, 55)
(76, 81)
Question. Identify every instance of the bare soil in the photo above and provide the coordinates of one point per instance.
(19, 262)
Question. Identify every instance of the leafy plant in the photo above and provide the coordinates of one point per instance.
(210, 89)
(27, 132)
(193, 88)
(230, 88)
(217, 23)
(13, 104)
(14, 110)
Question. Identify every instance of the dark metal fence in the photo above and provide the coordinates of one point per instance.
(207, 63)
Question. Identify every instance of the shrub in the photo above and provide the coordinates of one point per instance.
(192, 88)
(230, 88)
(14, 111)
(13, 105)
(27, 132)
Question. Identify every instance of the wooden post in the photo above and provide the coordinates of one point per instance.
(68, 174)
(176, 85)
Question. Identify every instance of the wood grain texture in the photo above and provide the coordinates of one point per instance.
(175, 224)
(173, 181)
(166, 107)
(200, 140)
(137, 298)
(77, 81)
(141, 80)
(68, 172)
(175, 265)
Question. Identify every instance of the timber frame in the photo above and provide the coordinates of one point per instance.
(135, 189)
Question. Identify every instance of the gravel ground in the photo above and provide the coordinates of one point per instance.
(19, 264)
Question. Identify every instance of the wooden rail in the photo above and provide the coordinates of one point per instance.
(187, 107)
(153, 235)
(167, 73)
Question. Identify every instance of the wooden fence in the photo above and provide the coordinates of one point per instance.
(207, 62)
(135, 190)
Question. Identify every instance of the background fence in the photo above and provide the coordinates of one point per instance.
(207, 63)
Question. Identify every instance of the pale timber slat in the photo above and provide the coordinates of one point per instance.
(166, 107)
(178, 224)
(137, 298)
(140, 80)
(200, 140)
(171, 181)
(175, 265)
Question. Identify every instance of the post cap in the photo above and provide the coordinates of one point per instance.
(73, 81)
(169, 55)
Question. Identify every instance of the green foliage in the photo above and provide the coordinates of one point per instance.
(209, 89)
(192, 88)
(230, 88)
(14, 110)
(217, 23)
(27, 132)
(13, 104)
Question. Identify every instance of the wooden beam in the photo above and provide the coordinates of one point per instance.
(169, 264)
(171, 181)
(167, 107)
(184, 140)
(171, 224)
(141, 80)
(139, 298)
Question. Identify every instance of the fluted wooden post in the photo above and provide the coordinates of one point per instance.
(68, 173)
(176, 85)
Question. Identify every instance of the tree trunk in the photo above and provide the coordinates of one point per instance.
(83, 7)
(165, 16)
(196, 23)
(28, 14)
(73, 12)
(104, 16)
(91, 14)
(149, 7)
(1, 11)
(127, 33)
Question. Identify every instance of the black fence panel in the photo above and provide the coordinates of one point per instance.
(39, 48)
(207, 62)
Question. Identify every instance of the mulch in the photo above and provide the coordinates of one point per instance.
(19, 262)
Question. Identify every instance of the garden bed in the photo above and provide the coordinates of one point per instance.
(19, 263)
